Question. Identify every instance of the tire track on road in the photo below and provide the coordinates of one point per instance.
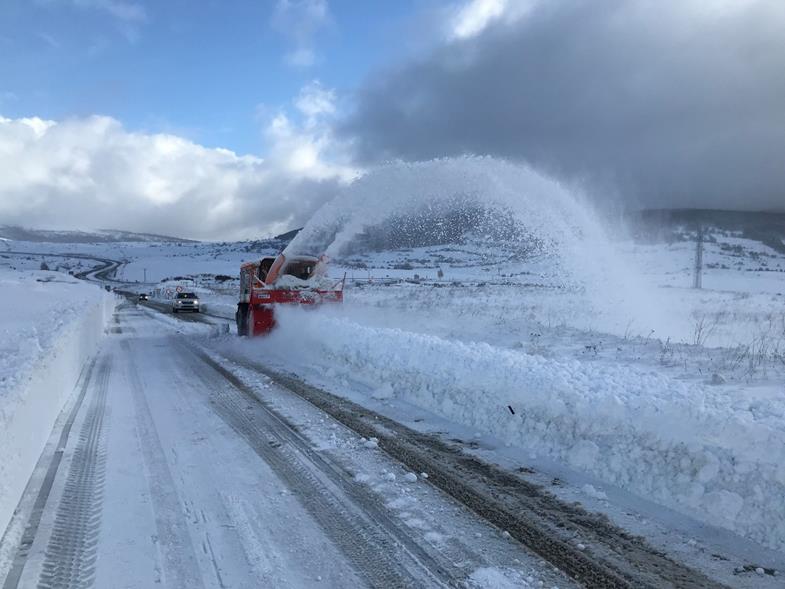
(381, 551)
(31, 528)
(71, 552)
(180, 565)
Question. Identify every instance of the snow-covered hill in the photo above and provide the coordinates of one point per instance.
(16, 233)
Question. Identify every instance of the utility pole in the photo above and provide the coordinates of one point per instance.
(698, 272)
(145, 275)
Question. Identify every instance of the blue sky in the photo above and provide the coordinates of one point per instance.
(206, 70)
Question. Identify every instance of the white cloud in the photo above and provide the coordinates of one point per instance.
(472, 17)
(309, 147)
(315, 101)
(91, 172)
(299, 21)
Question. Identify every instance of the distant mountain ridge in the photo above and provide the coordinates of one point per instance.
(289, 235)
(17, 233)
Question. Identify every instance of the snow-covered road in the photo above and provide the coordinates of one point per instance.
(161, 471)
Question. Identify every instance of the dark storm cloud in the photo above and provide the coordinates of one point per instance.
(669, 103)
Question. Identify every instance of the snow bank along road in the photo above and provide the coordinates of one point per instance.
(42, 349)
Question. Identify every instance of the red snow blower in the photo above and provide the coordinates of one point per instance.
(298, 280)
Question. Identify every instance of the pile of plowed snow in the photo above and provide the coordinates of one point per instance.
(50, 324)
(690, 446)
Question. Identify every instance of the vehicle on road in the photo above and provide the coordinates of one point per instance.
(185, 301)
(294, 280)
(143, 297)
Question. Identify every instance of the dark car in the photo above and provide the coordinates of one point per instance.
(143, 297)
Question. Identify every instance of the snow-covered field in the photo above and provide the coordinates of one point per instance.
(50, 325)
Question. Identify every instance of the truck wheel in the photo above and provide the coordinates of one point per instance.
(241, 318)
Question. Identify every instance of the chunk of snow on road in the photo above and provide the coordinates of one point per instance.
(434, 537)
(591, 491)
(498, 578)
(416, 522)
(410, 477)
(383, 392)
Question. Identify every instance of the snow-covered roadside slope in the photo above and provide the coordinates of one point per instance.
(681, 444)
(50, 324)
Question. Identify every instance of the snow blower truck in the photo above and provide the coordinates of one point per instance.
(296, 280)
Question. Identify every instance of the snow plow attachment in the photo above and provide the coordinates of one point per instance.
(299, 280)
